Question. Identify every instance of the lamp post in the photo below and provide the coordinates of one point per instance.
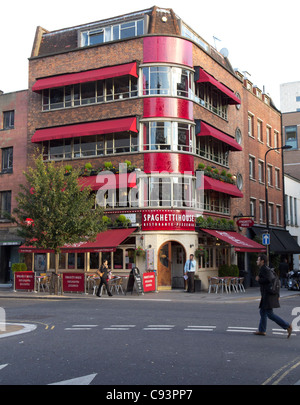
(266, 190)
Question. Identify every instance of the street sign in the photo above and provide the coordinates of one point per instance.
(266, 239)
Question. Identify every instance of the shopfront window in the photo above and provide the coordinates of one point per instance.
(118, 259)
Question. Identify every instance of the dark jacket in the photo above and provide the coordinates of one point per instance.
(268, 301)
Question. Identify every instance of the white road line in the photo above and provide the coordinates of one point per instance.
(159, 327)
(201, 328)
(242, 329)
(119, 327)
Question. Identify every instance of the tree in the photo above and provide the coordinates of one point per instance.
(53, 210)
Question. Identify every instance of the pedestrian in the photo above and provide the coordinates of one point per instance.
(268, 300)
(189, 271)
(283, 271)
(103, 274)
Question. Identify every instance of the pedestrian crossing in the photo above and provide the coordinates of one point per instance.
(187, 328)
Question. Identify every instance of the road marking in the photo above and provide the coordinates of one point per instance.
(242, 329)
(25, 328)
(290, 366)
(159, 327)
(3, 365)
(201, 328)
(85, 380)
(119, 327)
(81, 327)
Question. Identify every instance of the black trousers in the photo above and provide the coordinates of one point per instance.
(103, 281)
(190, 280)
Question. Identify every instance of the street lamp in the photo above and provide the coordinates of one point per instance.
(266, 190)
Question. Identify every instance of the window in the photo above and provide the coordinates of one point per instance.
(212, 149)
(100, 91)
(169, 191)
(278, 215)
(269, 176)
(251, 167)
(253, 208)
(291, 211)
(271, 210)
(112, 33)
(250, 125)
(7, 160)
(216, 202)
(8, 119)
(5, 200)
(277, 178)
(276, 139)
(261, 211)
(167, 135)
(261, 175)
(295, 212)
(268, 136)
(259, 131)
(85, 146)
(291, 136)
(213, 100)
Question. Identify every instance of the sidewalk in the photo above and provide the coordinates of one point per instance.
(251, 293)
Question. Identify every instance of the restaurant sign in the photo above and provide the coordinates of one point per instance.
(24, 280)
(73, 282)
(168, 220)
(245, 222)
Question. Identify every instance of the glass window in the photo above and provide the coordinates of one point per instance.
(122, 143)
(182, 82)
(57, 98)
(8, 119)
(156, 80)
(291, 136)
(118, 259)
(57, 149)
(127, 30)
(121, 88)
(88, 93)
(96, 37)
(88, 146)
(7, 160)
(5, 197)
(129, 258)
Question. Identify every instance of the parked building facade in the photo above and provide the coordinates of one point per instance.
(144, 92)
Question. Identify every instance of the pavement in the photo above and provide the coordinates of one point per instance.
(250, 294)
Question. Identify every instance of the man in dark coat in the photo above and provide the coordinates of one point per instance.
(268, 301)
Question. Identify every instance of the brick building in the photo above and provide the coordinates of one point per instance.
(13, 158)
(145, 88)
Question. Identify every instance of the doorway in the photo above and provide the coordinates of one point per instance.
(170, 269)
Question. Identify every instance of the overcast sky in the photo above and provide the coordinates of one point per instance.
(260, 35)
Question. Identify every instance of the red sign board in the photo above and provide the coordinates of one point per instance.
(149, 281)
(168, 220)
(73, 282)
(245, 222)
(24, 280)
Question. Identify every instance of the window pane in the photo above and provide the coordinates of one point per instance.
(88, 93)
(57, 149)
(159, 80)
(100, 92)
(96, 37)
(182, 82)
(127, 30)
(100, 145)
(122, 142)
(8, 119)
(109, 90)
(88, 146)
(140, 27)
(121, 87)
(57, 98)
(5, 203)
(118, 259)
(291, 136)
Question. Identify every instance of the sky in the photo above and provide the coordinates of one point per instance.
(260, 35)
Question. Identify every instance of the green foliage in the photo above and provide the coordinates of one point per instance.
(18, 267)
(228, 271)
(59, 210)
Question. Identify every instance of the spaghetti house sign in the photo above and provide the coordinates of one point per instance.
(168, 220)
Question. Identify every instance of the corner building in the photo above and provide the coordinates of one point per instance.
(145, 88)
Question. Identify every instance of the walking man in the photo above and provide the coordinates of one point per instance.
(268, 301)
(189, 270)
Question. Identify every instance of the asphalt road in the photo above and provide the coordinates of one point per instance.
(116, 343)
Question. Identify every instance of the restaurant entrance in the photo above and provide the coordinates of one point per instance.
(171, 260)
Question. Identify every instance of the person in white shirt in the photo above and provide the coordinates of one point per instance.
(189, 270)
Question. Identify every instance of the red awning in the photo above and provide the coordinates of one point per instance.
(87, 76)
(86, 129)
(206, 77)
(106, 241)
(208, 130)
(240, 242)
(109, 181)
(222, 187)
